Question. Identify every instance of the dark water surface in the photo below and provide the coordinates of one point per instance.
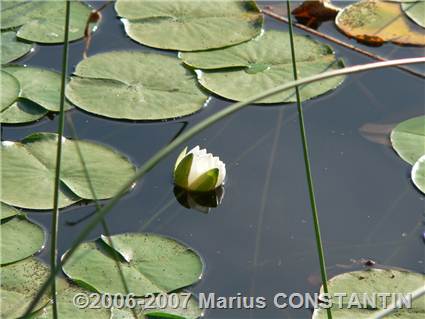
(260, 241)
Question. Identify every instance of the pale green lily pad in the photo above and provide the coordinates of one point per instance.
(264, 63)
(7, 211)
(10, 89)
(151, 264)
(19, 285)
(408, 139)
(135, 85)
(22, 111)
(190, 25)
(20, 239)
(29, 169)
(418, 174)
(415, 11)
(43, 21)
(38, 85)
(11, 48)
(372, 281)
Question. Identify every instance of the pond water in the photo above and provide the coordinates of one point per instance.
(260, 240)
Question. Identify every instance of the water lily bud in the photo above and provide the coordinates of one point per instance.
(198, 171)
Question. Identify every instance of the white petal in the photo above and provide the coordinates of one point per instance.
(221, 174)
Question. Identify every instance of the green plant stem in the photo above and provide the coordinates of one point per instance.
(307, 163)
(55, 216)
(162, 153)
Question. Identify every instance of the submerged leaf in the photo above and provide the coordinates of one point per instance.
(375, 22)
(264, 63)
(29, 169)
(11, 48)
(135, 85)
(418, 174)
(190, 25)
(313, 12)
(408, 139)
(415, 11)
(43, 21)
(155, 264)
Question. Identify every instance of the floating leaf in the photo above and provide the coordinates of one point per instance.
(375, 22)
(153, 264)
(20, 239)
(9, 90)
(22, 111)
(43, 21)
(264, 63)
(11, 48)
(370, 282)
(415, 11)
(190, 25)
(19, 285)
(29, 169)
(313, 12)
(408, 139)
(418, 174)
(135, 85)
(7, 211)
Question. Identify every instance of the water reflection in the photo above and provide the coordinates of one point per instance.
(201, 201)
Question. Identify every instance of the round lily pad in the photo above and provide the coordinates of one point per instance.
(19, 285)
(22, 111)
(375, 22)
(370, 282)
(29, 170)
(20, 239)
(135, 85)
(418, 174)
(11, 48)
(7, 211)
(150, 263)
(263, 63)
(415, 11)
(10, 89)
(43, 21)
(190, 25)
(408, 139)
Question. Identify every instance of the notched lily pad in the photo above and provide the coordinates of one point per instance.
(190, 25)
(263, 63)
(7, 211)
(11, 48)
(10, 90)
(136, 86)
(418, 174)
(43, 21)
(415, 11)
(29, 169)
(154, 264)
(375, 22)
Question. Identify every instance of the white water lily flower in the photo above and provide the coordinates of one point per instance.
(198, 170)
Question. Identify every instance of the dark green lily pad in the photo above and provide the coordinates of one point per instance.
(408, 139)
(264, 63)
(43, 21)
(135, 85)
(190, 25)
(20, 239)
(11, 48)
(418, 174)
(415, 11)
(19, 285)
(372, 281)
(10, 89)
(29, 168)
(7, 211)
(150, 263)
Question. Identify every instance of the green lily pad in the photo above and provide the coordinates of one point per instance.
(43, 21)
(151, 264)
(408, 139)
(10, 89)
(135, 85)
(22, 111)
(368, 282)
(20, 239)
(418, 174)
(29, 169)
(38, 85)
(190, 25)
(11, 48)
(19, 285)
(7, 211)
(415, 11)
(264, 63)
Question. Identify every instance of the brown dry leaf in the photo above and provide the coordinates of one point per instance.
(313, 13)
(375, 22)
